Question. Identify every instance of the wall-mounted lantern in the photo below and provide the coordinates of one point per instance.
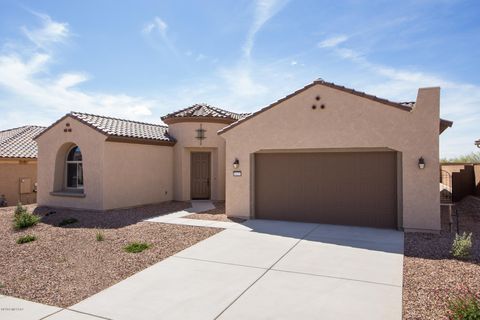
(421, 163)
(236, 164)
(200, 134)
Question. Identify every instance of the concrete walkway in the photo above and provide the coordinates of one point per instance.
(277, 270)
(14, 308)
(197, 206)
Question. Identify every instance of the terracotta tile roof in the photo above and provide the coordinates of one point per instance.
(406, 106)
(122, 130)
(409, 104)
(19, 143)
(202, 110)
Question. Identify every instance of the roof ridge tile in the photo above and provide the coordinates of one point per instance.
(204, 110)
(113, 118)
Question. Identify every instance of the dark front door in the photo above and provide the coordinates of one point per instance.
(200, 175)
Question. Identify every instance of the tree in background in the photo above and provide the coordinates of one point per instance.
(473, 157)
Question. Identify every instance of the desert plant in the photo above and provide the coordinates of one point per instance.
(99, 236)
(135, 247)
(462, 246)
(20, 209)
(473, 157)
(25, 239)
(464, 308)
(24, 220)
(67, 221)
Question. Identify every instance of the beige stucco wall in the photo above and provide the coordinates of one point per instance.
(184, 133)
(11, 171)
(451, 168)
(116, 175)
(52, 147)
(347, 122)
(136, 174)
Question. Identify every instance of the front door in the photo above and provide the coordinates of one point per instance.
(200, 175)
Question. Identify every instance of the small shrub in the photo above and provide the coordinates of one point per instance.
(462, 246)
(467, 308)
(67, 221)
(99, 236)
(24, 220)
(135, 247)
(20, 209)
(26, 239)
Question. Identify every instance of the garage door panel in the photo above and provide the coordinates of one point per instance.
(338, 188)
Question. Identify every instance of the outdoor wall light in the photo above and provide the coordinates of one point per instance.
(236, 163)
(421, 163)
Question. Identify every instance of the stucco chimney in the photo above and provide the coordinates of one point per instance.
(428, 103)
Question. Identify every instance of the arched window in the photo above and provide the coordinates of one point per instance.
(74, 175)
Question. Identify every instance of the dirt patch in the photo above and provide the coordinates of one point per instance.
(217, 214)
(431, 276)
(65, 265)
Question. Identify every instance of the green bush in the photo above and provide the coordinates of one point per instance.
(135, 247)
(67, 221)
(462, 246)
(26, 239)
(99, 236)
(473, 157)
(20, 209)
(467, 308)
(24, 220)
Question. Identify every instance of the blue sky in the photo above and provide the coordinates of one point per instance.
(142, 59)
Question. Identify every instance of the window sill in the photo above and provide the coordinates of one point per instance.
(73, 194)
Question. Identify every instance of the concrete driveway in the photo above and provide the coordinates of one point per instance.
(278, 270)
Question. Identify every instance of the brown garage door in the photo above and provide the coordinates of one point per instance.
(335, 188)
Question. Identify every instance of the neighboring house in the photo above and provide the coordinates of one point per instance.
(323, 154)
(18, 165)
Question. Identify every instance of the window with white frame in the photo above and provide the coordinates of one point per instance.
(74, 168)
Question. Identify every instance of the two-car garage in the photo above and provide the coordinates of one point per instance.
(350, 188)
(334, 155)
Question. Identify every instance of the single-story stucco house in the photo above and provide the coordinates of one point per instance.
(324, 153)
(18, 165)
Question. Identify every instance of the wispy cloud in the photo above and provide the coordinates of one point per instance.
(157, 31)
(332, 41)
(49, 33)
(27, 80)
(243, 83)
(200, 57)
(264, 11)
(239, 81)
(157, 25)
(459, 102)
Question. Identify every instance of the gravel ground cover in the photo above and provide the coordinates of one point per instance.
(217, 214)
(431, 276)
(65, 265)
